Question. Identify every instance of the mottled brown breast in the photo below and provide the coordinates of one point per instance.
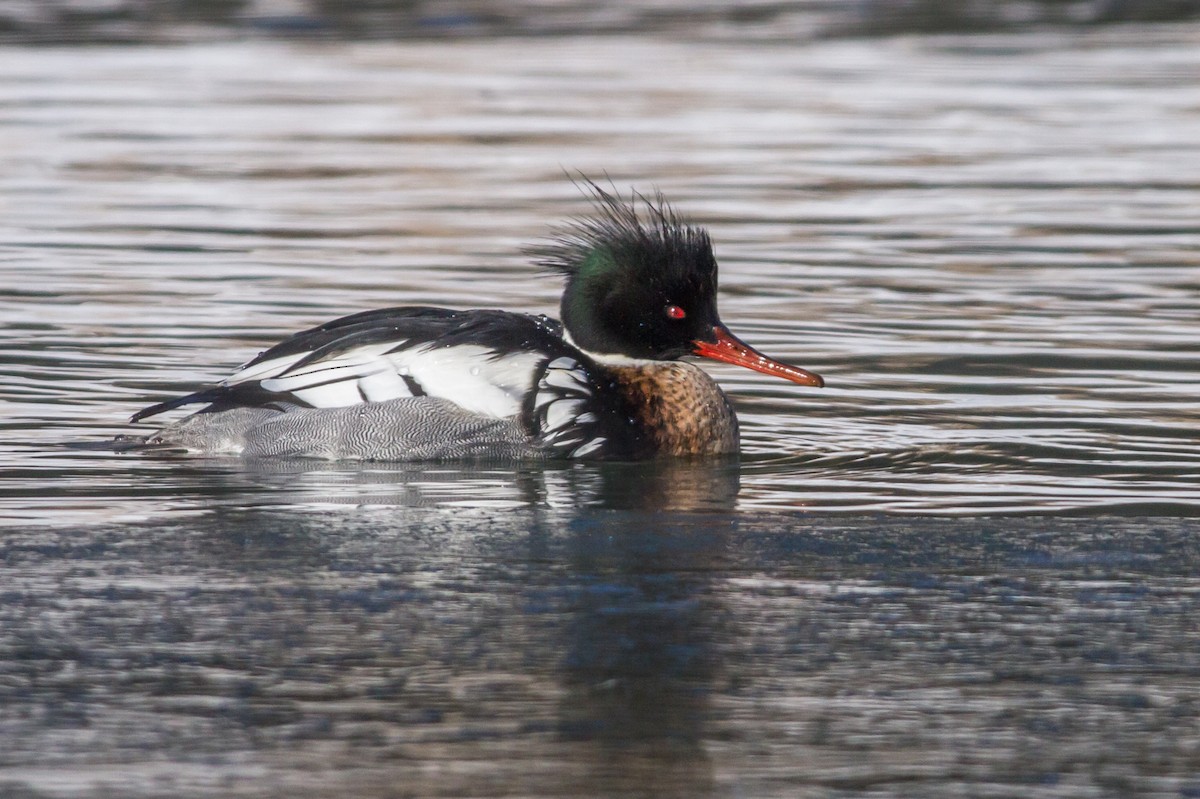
(682, 409)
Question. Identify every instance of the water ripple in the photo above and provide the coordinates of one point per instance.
(993, 262)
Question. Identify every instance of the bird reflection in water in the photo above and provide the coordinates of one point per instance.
(675, 484)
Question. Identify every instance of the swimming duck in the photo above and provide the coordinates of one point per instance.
(423, 383)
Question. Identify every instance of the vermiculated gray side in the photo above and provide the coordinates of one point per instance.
(406, 429)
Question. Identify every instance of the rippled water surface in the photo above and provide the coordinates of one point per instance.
(989, 246)
(966, 567)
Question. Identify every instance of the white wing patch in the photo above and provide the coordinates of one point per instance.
(358, 375)
(471, 376)
(558, 407)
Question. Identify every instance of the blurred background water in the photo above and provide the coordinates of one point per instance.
(967, 567)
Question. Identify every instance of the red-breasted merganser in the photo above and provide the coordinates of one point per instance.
(419, 383)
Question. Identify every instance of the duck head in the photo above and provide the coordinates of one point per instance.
(644, 287)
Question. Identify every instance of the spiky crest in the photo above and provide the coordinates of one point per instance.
(617, 233)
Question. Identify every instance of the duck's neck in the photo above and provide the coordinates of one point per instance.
(680, 408)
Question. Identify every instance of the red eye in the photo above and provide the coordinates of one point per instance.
(674, 312)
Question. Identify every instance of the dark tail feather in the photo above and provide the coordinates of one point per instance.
(207, 395)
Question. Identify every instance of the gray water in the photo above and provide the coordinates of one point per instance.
(967, 567)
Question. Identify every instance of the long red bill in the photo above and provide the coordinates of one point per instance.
(730, 349)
